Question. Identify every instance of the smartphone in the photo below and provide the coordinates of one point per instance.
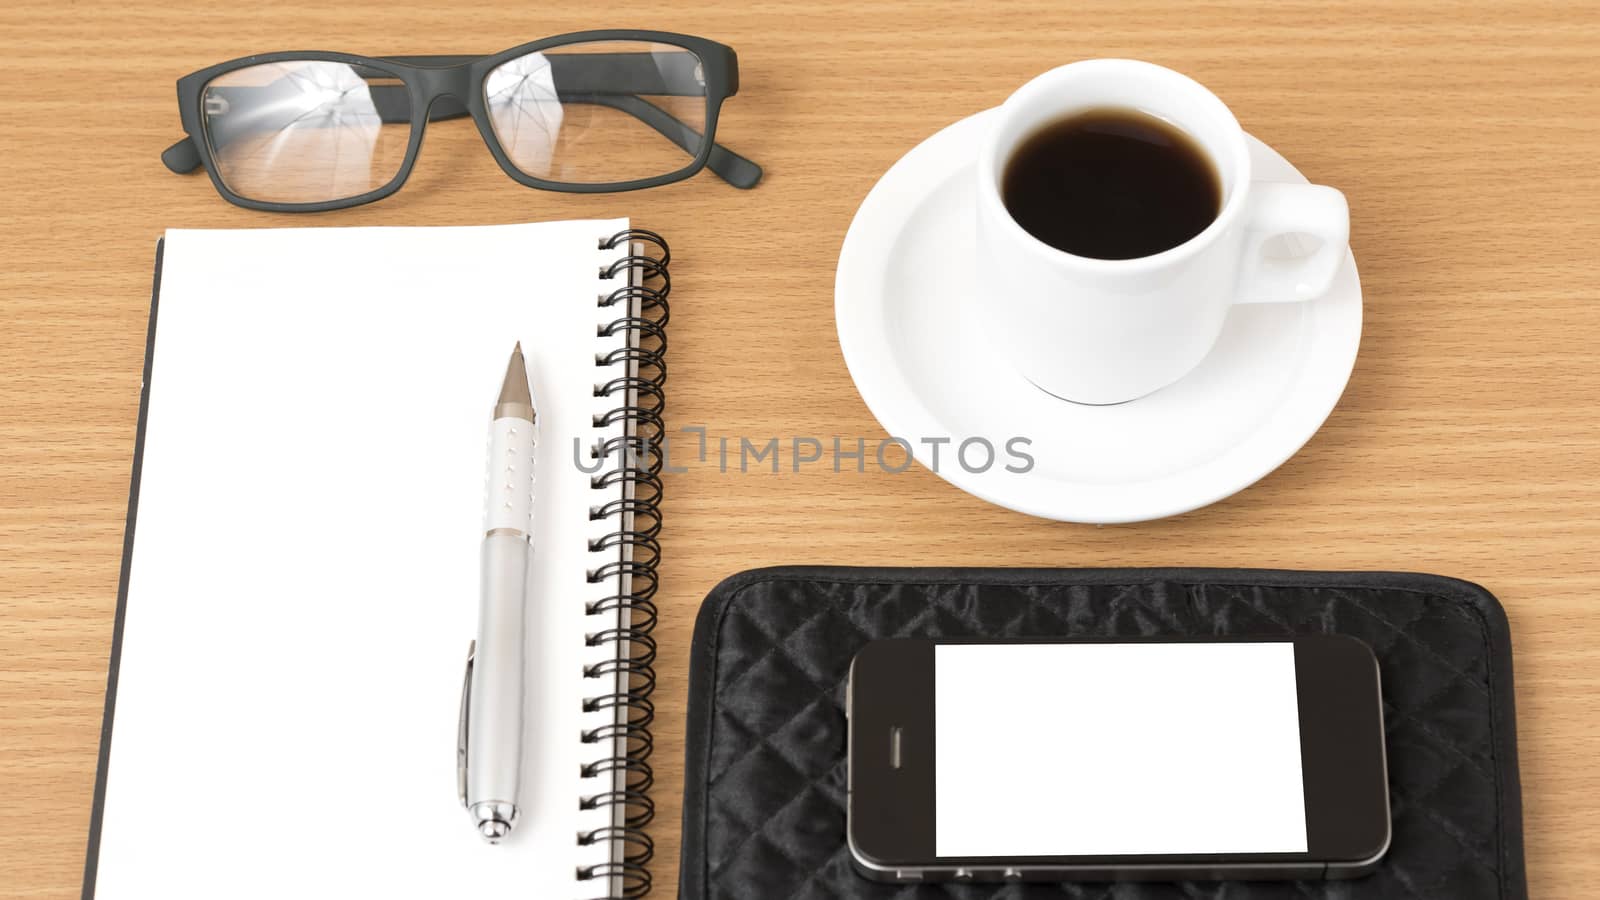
(1091, 760)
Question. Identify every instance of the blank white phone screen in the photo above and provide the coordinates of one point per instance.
(1116, 749)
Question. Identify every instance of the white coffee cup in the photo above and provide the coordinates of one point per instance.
(1105, 331)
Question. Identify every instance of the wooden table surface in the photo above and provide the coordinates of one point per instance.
(1465, 136)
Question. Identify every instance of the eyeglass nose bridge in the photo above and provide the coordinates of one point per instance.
(445, 81)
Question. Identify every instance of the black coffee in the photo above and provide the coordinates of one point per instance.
(1111, 184)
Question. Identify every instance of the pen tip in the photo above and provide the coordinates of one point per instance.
(515, 397)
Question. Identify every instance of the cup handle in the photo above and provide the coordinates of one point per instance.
(1280, 209)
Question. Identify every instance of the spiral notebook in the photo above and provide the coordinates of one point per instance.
(300, 578)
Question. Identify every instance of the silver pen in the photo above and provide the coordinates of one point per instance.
(489, 745)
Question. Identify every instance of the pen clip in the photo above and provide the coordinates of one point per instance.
(461, 734)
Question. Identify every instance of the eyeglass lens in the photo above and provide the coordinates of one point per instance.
(599, 112)
(306, 131)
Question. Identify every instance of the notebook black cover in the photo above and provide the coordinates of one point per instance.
(764, 815)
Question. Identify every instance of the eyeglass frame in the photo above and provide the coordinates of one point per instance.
(458, 81)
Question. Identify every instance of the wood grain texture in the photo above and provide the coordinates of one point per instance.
(1464, 134)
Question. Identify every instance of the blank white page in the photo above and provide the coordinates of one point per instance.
(305, 572)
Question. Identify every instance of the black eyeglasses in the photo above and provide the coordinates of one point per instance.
(309, 131)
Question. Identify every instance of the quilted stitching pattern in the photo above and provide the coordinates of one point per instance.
(774, 819)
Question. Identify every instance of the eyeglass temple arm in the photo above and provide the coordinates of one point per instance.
(393, 102)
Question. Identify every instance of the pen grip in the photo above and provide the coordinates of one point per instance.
(494, 715)
(508, 485)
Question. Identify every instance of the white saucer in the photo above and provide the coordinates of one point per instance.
(908, 328)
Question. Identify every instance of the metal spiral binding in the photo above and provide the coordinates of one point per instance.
(632, 553)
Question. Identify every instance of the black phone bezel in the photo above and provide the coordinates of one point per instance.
(891, 811)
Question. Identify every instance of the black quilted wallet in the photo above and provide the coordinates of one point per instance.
(764, 800)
